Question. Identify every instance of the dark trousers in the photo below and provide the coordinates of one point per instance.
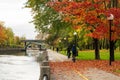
(73, 56)
(69, 54)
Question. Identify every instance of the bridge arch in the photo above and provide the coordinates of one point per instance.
(36, 42)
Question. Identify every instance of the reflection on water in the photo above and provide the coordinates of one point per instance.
(18, 68)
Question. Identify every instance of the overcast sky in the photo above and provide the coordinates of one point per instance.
(17, 17)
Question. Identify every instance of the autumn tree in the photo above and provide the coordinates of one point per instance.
(47, 20)
(80, 15)
(7, 38)
(10, 36)
(89, 14)
(3, 36)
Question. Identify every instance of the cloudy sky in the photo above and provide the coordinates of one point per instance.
(17, 17)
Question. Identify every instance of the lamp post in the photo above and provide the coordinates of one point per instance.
(65, 41)
(110, 19)
(60, 44)
(75, 33)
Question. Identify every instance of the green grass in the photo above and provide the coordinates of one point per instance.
(89, 55)
(118, 71)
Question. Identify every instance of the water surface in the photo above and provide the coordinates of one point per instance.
(19, 68)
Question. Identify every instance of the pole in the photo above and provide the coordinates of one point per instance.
(75, 41)
(110, 62)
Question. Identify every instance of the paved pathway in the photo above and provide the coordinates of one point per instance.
(90, 74)
(96, 74)
(62, 75)
(56, 57)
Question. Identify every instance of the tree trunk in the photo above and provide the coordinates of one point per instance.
(96, 46)
(115, 3)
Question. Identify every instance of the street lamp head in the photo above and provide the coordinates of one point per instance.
(75, 33)
(64, 38)
(111, 17)
(59, 41)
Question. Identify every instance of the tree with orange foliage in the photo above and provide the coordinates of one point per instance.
(92, 15)
(2, 34)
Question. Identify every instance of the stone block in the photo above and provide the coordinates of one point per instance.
(45, 72)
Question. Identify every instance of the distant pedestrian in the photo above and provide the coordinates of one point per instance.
(68, 52)
(57, 49)
(40, 47)
(74, 52)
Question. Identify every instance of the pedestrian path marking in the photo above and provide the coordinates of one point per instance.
(81, 75)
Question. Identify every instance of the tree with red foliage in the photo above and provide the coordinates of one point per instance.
(92, 15)
(2, 34)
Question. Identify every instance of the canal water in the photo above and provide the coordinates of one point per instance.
(19, 67)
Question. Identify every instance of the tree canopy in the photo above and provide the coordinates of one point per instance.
(7, 37)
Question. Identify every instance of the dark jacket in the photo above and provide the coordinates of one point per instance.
(74, 50)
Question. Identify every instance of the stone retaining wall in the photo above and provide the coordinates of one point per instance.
(11, 51)
(44, 67)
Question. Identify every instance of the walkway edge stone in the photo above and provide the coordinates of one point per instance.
(44, 67)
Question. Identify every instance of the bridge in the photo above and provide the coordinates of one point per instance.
(32, 41)
(36, 42)
(40, 43)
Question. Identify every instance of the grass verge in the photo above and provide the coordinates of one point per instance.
(90, 55)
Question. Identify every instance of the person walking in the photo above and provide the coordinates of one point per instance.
(68, 52)
(57, 49)
(74, 52)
